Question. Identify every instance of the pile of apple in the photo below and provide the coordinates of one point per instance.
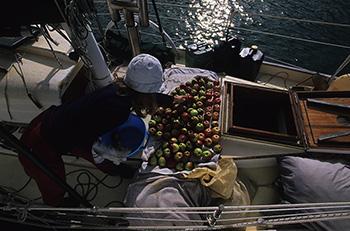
(189, 132)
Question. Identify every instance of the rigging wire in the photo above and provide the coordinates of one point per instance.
(257, 14)
(302, 20)
(291, 37)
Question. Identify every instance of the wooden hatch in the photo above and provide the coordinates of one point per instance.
(306, 119)
(259, 113)
(324, 119)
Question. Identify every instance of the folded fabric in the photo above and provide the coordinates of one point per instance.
(100, 151)
(163, 191)
(222, 181)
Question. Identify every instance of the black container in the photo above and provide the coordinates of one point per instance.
(226, 56)
(199, 55)
(250, 61)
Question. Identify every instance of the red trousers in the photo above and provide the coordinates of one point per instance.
(51, 192)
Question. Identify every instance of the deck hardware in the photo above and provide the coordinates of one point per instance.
(212, 218)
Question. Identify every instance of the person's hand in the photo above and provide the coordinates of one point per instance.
(180, 98)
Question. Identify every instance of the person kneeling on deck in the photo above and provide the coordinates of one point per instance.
(74, 127)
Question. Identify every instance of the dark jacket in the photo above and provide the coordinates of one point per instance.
(81, 122)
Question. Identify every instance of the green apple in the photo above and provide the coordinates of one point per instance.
(189, 145)
(207, 154)
(161, 161)
(153, 161)
(193, 112)
(197, 152)
(174, 148)
(159, 153)
(152, 123)
(199, 127)
(179, 166)
(187, 154)
(217, 148)
(159, 134)
(166, 152)
(157, 118)
(178, 156)
(182, 147)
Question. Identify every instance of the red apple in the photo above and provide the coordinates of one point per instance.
(209, 108)
(217, 100)
(208, 115)
(208, 142)
(152, 131)
(217, 107)
(160, 111)
(199, 143)
(215, 138)
(207, 132)
(199, 104)
(182, 138)
(215, 115)
(185, 116)
(216, 88)
(189, 166)
(206, 123)
(160, 127)
(215, 123)
(209, 102)
(201, 136)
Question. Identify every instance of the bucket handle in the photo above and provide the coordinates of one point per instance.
(141, 147)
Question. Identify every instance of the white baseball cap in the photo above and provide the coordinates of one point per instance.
(144, 74)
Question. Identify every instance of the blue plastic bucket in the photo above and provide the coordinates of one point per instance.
(132, 135)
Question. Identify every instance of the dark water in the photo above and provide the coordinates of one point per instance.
(187, 21)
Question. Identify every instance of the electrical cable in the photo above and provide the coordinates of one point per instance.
(90, 189)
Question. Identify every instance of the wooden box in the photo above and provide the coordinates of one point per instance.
(307, 120)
